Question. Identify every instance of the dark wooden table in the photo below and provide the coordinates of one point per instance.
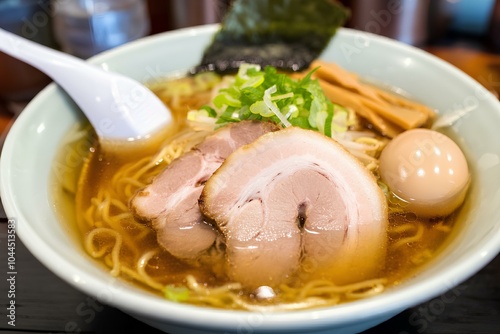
(46, 304)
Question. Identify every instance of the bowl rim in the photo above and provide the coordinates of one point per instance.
(156, 308)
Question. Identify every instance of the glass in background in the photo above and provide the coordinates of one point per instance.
(174, 14)
(187, 13)
(404, 20)
(86, 27)
(466, 23)
(471, 16)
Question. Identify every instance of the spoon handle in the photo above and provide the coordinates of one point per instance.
(57, 65)
(118, 107)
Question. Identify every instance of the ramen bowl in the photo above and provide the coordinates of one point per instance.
(27, 166)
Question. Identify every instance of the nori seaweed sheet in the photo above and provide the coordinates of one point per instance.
(286, 34)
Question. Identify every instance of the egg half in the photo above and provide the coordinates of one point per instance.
(427, 171)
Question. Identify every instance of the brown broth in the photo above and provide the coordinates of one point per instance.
(97, 168)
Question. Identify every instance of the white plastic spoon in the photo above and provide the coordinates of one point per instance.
(119, 108)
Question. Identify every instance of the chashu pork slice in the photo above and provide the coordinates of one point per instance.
(295, 198)
(170, 203)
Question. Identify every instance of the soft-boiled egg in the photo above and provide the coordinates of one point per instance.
(427, 171)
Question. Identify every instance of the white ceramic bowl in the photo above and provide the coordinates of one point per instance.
(26, 166)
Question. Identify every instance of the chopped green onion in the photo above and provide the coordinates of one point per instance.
(261, 108)
(281, 97)
(273, 107)
(271, 96)
(176, 293)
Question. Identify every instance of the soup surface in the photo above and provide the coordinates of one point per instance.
(98, 186)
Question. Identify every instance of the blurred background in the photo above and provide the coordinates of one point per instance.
(86, 27)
